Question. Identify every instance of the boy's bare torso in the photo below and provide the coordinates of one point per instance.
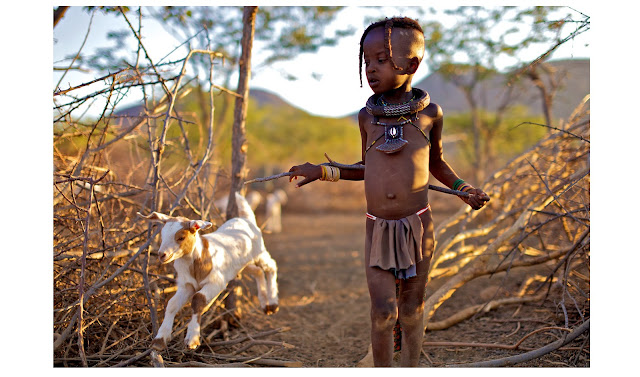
(396, 185)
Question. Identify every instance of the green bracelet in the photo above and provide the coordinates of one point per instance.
(457, 183)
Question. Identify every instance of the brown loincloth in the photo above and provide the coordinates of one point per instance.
(396, 245)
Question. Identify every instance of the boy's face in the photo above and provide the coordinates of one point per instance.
(381, 75)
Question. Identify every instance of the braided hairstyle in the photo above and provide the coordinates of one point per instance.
(388, 23)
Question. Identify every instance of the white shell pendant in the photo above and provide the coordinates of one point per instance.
(393, 140)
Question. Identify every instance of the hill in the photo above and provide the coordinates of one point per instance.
(574, 87)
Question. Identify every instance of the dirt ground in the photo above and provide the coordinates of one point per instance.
(325, 303)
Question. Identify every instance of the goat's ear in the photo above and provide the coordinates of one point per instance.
(200, 224)
(156, 217)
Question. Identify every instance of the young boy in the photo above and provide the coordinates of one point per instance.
(401, 143)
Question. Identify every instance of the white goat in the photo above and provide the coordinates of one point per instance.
(205, 263)
(273, 211)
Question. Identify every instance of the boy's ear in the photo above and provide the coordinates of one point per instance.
(412, 65)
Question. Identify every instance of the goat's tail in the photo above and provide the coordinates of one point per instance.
(244, 209)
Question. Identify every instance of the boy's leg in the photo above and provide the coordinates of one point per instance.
(411, 300)
(384, 310)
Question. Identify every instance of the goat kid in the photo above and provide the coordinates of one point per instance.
(205, 263)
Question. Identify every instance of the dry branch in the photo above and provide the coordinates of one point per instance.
(513, 360)
(107, 288)
(472, 310)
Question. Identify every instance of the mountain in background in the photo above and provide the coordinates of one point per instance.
(574, 87)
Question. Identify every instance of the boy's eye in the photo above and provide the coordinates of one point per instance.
(382, 60)
(180, 238)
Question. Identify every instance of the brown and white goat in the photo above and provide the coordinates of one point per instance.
(205, 263)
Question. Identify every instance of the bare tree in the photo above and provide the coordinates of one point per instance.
(106, 291)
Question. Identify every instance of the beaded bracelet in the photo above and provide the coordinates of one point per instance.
(457, 184)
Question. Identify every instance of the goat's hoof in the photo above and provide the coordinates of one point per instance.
(193, 343)
(158, 344)
(271, 309)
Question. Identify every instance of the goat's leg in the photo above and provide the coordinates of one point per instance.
(270, 268)
(261, 283)
(176, 302)
(200, 303)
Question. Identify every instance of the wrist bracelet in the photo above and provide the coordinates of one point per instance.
(330, 173)
(457, 184)
(465, 187)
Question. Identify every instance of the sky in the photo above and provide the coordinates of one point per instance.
(327, 82)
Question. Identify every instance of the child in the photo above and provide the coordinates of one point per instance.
(401, 143)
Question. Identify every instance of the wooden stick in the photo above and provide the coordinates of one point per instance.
(512, 360)
(287, 174)
(269, 178)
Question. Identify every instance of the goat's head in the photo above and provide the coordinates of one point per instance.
(178, 235)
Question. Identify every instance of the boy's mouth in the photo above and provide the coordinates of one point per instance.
(373, 82)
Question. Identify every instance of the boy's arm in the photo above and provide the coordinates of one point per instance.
(312, 172)
(442, 171)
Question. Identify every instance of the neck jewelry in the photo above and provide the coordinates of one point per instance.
(407, 112)
(391, 110)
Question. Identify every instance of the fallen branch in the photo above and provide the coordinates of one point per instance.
(472, 310)
(493, 345)
(133, 359)
(512, 360)
(251, 337)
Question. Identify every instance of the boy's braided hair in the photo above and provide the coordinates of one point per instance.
(388, 23)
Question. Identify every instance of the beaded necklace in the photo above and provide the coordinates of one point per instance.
(393, 132)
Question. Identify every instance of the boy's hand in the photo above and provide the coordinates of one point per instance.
(477, 198)
(310, 172)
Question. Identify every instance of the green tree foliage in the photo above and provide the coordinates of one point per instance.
(466, 53)
(277, 135)
(480, 36)
(509, 136)
(289, 136)
(281, 33)
(282, 135)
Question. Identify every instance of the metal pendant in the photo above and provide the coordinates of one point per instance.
(393, 141)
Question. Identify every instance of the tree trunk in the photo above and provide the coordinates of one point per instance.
(545, 94)
(58, 14)
(478, 160)
(239, 141)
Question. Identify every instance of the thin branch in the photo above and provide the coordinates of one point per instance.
(513, 360)
(555, 128)
(86, 36)
(355, 167)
